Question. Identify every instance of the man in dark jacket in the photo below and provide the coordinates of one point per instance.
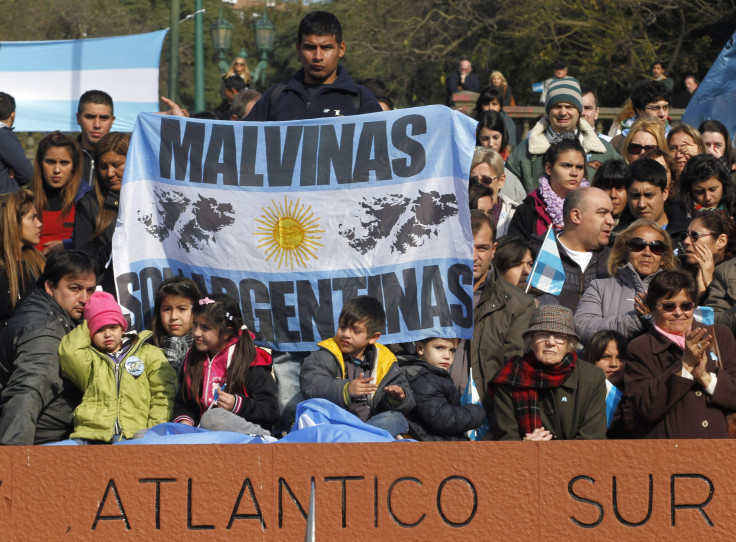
(36, 403)
(583, 245)
(461, 79)
(322, 88)
(95, 116)
(15, 168)
(501, 314)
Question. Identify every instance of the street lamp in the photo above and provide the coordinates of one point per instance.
(222, 32)
(265, 32)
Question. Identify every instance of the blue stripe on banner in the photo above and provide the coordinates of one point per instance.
(704, 315)
(49, 115)
(376, 149)
(428, 298)
(118, 52)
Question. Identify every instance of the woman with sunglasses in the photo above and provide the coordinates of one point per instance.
(705, 185)
(644, 135)
(564, 166)
(709, 241)
(617, 303)
(681, 376)
(548, 393)
(239, 67)
(484, 170)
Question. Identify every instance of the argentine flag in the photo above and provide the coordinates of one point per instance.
(613, 398)
(704, 315)
(548, 275)
(46, 78)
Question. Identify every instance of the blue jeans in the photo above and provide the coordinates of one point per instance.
(392, 421)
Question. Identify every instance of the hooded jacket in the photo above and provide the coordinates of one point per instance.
(526, 159)
(135, 394)
(324, 376)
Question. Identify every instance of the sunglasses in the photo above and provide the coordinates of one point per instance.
(485, 179)
(670, 306)
(637, 244)
(694, 235)
(635, 148)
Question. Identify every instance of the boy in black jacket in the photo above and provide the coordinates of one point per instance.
(438, 414)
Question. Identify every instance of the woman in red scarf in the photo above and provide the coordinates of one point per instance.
(546, 394)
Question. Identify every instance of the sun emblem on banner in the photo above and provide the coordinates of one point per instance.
(289, 233)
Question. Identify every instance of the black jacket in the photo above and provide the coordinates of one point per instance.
(438, 414)
(293, 103)
(99, 248)
(36, 403)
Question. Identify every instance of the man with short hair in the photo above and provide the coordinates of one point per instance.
(461, 79)
(583, 243)
(651, 100)
(231, 87)
(563, 119)
(15, 168)
(36, 403)
(322, 87)
(682, 99)
(501, 314)
(591, 109)
(647, 193)
(243, 103)
(95, 117)
(658, 75)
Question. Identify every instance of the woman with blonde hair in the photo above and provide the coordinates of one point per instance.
(57, 185)
(640, 252)
(20, 263)
(498, 81)
(97, 211)
(239, 67)
(644, 136)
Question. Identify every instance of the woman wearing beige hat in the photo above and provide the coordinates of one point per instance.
(546, 394)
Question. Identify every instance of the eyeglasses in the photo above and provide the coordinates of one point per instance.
(694, 235)
(240, 63)
(635, 148)
(485, 179)
(657, 107)
(670, 306)
(637, 244)
(543, 337)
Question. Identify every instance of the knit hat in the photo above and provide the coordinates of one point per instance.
(102, 310)
(567, 90)
(553, 319)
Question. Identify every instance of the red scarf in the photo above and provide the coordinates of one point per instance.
(526, 376)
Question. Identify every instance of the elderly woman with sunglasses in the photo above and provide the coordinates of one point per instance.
(548, 393)
(640, 252)
(681, 376)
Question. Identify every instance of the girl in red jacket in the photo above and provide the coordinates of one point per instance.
(227, 384)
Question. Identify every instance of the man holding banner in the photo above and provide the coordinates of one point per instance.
(322, 88)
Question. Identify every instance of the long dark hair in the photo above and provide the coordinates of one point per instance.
(176, 287)
(223, 313)
(600, 341)
(70, 189)
(493, 121)
(701, 168)
(116, 142)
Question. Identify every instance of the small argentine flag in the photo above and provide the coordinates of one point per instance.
(548, 275)
(613, 398)
(470, 396)
(704, 315)
(538, 87)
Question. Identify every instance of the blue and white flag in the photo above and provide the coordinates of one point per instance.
(538, 87)
(704, 315)
(548, 275)
(613, 398)
(716, 95)
(295, 218)
(46, 78)
(471, 396)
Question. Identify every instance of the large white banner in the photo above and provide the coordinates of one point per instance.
(46, 78)
(295, 218)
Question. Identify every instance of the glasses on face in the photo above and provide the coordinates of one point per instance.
(543, 337)
(694, 235)
(637, 244)
(670, 306)
(240, 63)
(664, 108)
(635, 148)
(485, 179)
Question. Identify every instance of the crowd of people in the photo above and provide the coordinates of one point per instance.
(643, 222)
